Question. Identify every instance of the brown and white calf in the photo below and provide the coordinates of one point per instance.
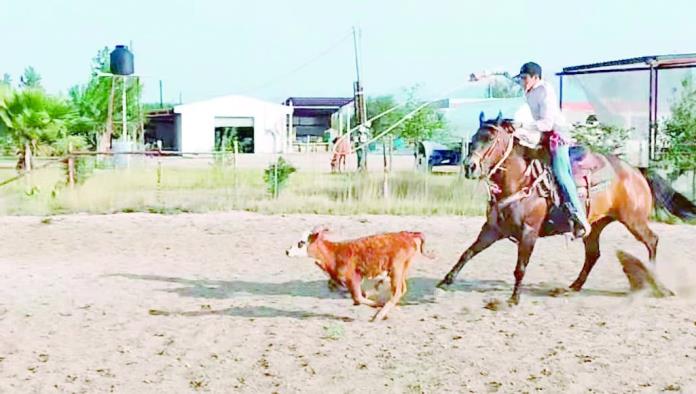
(348, 262)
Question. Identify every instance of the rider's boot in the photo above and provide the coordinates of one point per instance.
(581, 227)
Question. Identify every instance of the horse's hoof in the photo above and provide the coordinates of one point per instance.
(513, 301)
(575, 287)
(443, 284)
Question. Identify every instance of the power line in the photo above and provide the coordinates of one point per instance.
(301, 66)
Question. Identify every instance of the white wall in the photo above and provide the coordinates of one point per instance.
(198, 122)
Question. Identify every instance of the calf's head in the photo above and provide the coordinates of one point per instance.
(308, 238)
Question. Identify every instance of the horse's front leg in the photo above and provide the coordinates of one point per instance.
(487, 237)
(524, 252)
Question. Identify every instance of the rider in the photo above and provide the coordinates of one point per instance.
(549, 121)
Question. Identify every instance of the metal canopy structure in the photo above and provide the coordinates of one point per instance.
(636, 63)
(604, 82)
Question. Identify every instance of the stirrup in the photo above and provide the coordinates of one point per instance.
(579, 230)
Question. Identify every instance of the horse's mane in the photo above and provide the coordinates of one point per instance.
(505, 123)
(508, 125)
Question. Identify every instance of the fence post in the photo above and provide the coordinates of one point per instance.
(391, 149)
(71, 166)
(159, 173)
(461, 158)
(235, 146)
(385, 185)
(223, 150)
(275, 179)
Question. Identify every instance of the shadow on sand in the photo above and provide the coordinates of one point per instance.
(420, 291)
(252, 312)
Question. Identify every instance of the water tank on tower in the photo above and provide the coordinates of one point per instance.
(121, 61)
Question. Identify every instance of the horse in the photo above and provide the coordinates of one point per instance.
(340, 152)
(519, 209)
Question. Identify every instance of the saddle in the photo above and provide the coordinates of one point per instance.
(592, 172)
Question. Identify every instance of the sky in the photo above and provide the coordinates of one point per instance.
(275, 49)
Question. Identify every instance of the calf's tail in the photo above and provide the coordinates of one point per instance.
(419, 239)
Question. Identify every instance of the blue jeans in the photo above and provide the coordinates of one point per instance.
(561, 167)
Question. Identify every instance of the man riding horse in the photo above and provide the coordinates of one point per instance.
(523, 209)
(549, 128)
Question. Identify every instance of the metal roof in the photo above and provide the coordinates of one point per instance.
(637, 63)
(326, 102)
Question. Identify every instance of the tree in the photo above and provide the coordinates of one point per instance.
(5, 121)
(600, 137)
(6, 80)
(94, 109)
(30, 79)
(425, 123)
(394, 112)
(505, 88)
(276, 175)
(380, 104)
(5, 93)
(679, 132)
(34, 122)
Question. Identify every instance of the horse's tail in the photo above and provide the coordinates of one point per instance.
(666, 197)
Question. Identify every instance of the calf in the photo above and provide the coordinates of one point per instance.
(348, 262)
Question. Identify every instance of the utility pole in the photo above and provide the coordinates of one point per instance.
(360, 107)
(161, 99)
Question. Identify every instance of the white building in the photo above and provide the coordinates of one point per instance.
(261, 126)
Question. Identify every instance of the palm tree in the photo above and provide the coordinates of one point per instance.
(34, 120)
(5, 92)
(30, 79)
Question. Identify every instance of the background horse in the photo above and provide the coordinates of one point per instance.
(518, 210)
(340, 152)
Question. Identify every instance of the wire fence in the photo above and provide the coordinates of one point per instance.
(171, 181)
(163, 182)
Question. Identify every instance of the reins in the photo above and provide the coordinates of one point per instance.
(493, 188)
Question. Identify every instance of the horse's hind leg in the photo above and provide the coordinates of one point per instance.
(592, 252)
(644, 234)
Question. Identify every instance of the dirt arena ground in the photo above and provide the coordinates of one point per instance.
(138, 303)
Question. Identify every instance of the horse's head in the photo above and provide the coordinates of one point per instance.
(488, 146)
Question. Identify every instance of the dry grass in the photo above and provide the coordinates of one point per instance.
(216, 188)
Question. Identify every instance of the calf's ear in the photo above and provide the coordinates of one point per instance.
(320, 229)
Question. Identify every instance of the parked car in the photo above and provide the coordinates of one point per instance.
(431, 154)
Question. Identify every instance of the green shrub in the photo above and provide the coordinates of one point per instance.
(276, 175)
(601, 138)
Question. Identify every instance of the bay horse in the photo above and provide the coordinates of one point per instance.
(519, 210)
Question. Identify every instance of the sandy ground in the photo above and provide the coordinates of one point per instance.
(138, 303)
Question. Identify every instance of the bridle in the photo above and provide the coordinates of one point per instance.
(484, 157)
(493, 189)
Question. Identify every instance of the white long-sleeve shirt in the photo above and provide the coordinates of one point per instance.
(543, 103)
(546, 114)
